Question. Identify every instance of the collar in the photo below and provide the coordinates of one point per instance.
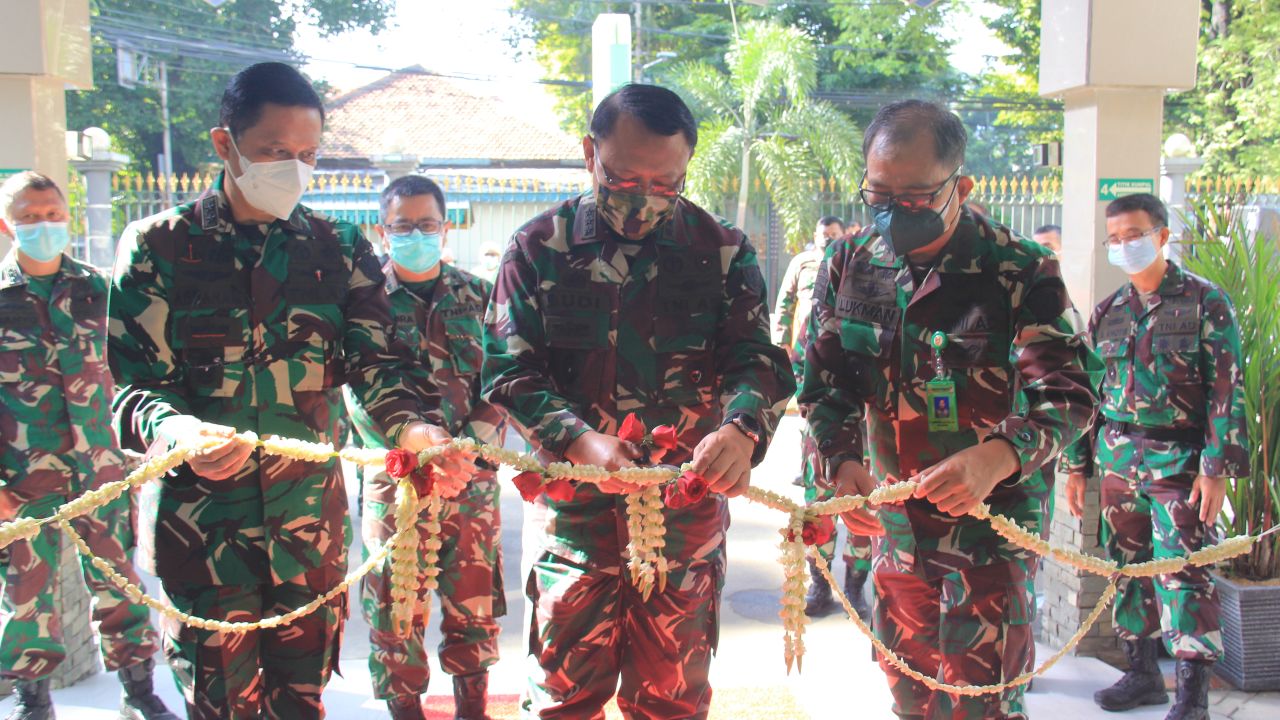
(12, 275)
(448, 277)
(213, 213)
(963, 253)
(1173, 283)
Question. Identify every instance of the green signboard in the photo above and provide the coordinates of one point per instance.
(6, 173)
(1112, 188)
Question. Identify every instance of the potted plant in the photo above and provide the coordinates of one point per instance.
(1246, 265)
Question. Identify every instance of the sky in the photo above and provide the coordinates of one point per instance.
(469, 38)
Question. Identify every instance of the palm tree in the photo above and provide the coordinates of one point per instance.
(759, 121)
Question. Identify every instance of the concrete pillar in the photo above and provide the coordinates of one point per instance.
(100, 240)
(46, 50)
(1112, 87)
(1177, 163)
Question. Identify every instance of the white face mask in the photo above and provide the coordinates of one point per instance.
(272, 187)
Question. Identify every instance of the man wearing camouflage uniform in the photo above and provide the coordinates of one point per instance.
(1171, 431)
(55, 444)
(790, 330)
(437, 310)
(246, 309)
(959, 348)
(631, 299)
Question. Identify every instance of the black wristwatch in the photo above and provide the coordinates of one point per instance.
(748, 426)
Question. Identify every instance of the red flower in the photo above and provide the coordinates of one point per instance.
(664, 436)
(632, 429)
(400, 463)
(693, 485)
(423, 479)
(529, 484)
(818, 531)
(560, 490)
(685, 490)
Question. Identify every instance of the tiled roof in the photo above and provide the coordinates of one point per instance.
(410, 112)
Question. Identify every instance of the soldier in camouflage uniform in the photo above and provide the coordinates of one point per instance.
(1171, 431)
(790, 330)
(248, 310)
(55, 444)
(631, 299)
(959, 348)
(438, 309)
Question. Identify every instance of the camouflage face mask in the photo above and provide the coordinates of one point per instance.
(633, 216)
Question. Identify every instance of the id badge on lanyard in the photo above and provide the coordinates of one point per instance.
(940, 392)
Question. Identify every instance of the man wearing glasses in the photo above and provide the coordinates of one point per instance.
(958, 347)
(1172, 431)
(631, 299)
(437, 310)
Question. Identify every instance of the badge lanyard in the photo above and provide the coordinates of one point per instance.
(941, 391)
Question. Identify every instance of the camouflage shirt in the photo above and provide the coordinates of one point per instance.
(1017, 352)
(256, 328)
(795, 299)
(585, 328)
(55, 386)
(1173, 362)
(445, 335)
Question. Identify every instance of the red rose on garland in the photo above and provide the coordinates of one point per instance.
(655, 444)
(529, 484)
(632, 429)
(688, 489)
(400, 463)
(560, 490)
(818, 531)
(664, 436)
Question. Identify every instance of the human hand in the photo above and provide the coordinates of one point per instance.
(1209, 492)
(1076, 483)
(959, 483)
(218, 462)
(853, 478)
(723, 458)
(452, 469)
(608, 452)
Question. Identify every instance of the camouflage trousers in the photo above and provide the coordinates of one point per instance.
(967, 627)
(591, 634)
(277, 674)
(470, 588)
(1151, 519)
(31, 642)
(857, 548)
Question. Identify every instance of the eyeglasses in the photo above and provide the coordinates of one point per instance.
(878, 200)
(428, 227)
(1113, 241)
(635, 187)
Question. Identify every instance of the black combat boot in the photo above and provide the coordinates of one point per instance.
(140, 701)
(405, 707)
(853, 582)
(471, 696)
(34, 702)
(818, 601)
(1192, 700)
(1142, 683)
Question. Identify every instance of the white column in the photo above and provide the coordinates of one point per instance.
(1174, 170)
(99, 236)
(610, 55)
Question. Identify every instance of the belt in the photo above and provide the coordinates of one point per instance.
(1192, 436)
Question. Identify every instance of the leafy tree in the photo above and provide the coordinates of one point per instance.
(1231, 115)
(202, 46)
(759, 120)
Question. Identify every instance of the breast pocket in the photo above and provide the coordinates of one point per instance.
(465, 352)
(212, 348)
(869, 347)
(15, 357)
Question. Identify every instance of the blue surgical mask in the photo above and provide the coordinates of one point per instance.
(416, 252)
(1133, 256)
(42, 241)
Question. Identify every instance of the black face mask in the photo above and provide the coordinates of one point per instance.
(908, 230)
